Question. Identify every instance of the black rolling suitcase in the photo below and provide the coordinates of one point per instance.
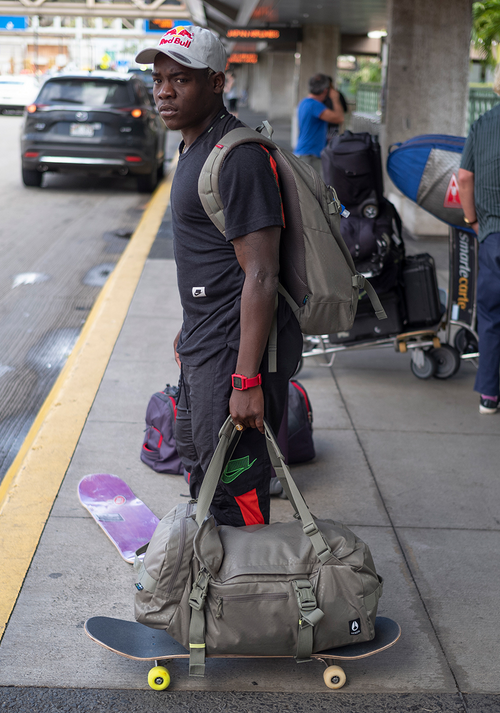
(352, 165)
(367, 327)
(423, 307)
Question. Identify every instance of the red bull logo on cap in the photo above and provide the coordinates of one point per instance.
(177, 36)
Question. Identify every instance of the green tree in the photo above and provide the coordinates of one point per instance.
(486, 29)
(369, 71)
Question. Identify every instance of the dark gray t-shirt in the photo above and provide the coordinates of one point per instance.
(481, 156)
(209, 276)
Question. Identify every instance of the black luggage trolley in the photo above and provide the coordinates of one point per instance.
(431, 354)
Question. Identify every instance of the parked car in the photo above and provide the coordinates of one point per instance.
(16, 92)
(94, 122)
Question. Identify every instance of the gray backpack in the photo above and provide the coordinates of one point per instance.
(317, 274)
(284, 589)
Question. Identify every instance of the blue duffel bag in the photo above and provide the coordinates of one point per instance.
(425, 169)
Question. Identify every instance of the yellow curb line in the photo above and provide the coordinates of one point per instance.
(30, 486)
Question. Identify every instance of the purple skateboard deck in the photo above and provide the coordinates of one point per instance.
(125, 519)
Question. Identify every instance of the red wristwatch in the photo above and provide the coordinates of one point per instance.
(241, 382)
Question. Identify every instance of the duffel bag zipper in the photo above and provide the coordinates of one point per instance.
(270, 596)
(180, 551)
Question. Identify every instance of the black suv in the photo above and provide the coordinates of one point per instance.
(94, 123)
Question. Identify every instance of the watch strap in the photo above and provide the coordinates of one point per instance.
(241, 383)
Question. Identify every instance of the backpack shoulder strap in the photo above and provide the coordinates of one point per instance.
(208, 182)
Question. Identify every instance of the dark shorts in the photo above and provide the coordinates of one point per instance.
(242, 496)
(233, 104)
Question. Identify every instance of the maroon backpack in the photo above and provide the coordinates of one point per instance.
(158, 449)
(300, 430)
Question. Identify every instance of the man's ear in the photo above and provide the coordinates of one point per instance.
(219, 81)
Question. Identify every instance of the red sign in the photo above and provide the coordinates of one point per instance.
(452, 197)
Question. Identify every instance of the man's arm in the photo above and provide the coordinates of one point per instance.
(335, 115)
(466, 189)
(176, 353)
(258, 256)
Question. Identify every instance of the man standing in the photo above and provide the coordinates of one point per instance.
(228, 285)
(314, 118)
(479, 184)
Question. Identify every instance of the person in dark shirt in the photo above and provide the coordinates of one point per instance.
(479, 184)
(334, 128)
(228, 284)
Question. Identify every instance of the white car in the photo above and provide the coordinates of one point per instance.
(17, 92)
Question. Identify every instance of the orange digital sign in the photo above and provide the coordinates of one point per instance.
(243, 58)
(278, 35)
(161, 24)
(249, 34)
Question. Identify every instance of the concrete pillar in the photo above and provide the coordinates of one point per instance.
(259, 94)
(427, 82)
(319, 50)
(282, 69)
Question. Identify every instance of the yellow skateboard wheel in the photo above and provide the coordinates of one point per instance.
(159, 678)
(334, 677)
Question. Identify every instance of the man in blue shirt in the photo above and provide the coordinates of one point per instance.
(314, 118)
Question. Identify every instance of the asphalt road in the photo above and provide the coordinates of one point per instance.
(58, 244)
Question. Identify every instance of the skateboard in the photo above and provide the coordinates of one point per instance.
(124, 518)
(141, 643)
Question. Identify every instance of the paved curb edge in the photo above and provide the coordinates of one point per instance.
(31, 485)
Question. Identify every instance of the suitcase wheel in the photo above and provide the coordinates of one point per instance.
(465, 342)
(159, 678)
(334, 677)
(370, 210)
(423, 364)
(447, 360)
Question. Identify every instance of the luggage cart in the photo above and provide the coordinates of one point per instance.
(431, 354)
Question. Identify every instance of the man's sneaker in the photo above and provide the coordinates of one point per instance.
(488, 405)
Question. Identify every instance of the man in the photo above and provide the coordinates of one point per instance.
(479, 184)
(314, 119)
(228, 285)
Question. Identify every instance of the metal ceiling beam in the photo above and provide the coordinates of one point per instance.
(197, 11)
(227, 11)
(88, 8)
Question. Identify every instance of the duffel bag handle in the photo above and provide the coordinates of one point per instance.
(228, 440)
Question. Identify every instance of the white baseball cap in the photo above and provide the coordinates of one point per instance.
(191, 46)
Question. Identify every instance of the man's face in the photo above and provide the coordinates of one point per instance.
(185, 97)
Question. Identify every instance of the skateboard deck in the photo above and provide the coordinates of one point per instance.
(124, 518)
(141, 643)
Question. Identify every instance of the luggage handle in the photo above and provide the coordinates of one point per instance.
(228, 440)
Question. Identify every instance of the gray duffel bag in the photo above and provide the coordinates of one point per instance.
(284, 589)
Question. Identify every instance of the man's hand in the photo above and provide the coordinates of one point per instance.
(466, 192)
(176, 355)
(335, 115)
(247, 408)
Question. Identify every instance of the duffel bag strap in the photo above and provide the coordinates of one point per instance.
(228, 439)
(310, 615)
(197, 645)
(321, 546)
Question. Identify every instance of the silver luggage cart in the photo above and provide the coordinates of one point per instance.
(434, 352)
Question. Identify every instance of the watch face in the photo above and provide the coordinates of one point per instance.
(237, 382)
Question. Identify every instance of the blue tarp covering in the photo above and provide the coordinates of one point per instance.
(424, 168)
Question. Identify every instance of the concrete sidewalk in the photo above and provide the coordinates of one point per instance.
(410, 465)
